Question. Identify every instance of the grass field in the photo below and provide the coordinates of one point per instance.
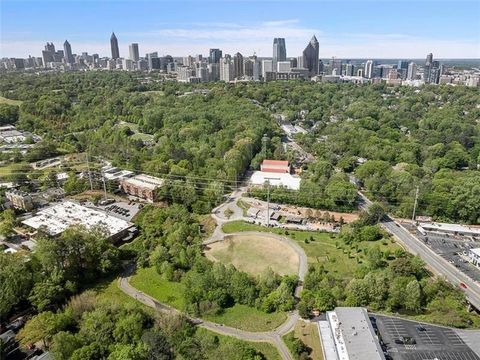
(4, 100)
(7, 170)
(255, 254)
(268, 350)
(248, 318)
(151, 283)
(308, 333)
(239, 316)
(322, 247)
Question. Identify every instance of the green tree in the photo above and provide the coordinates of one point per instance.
(43, 327)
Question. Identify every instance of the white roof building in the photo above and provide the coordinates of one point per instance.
(353, 335)
(276, 179)
(58, 218)
(451, 228)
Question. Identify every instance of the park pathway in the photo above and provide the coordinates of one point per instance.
(274, 336)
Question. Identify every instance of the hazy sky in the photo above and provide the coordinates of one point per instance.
(355, 29)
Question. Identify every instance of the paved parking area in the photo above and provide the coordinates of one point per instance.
(411, 340)
(450, 247)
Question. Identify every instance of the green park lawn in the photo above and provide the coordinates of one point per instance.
(268, 350)
(321, 247)
(247, 318)
(151, 283)
(238, 316)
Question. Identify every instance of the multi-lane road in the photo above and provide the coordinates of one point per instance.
(434, 261)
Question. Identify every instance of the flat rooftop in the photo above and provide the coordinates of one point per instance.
(58, 218)
(276, 179)
(145, 181)
(451, 228)
(353, 333)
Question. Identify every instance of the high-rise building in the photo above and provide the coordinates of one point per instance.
(429, 59)
(368, 73)
(237, 65)
(279, 51)
(310, 57)
(48, 55)
(67, 52)
(134, 53)
(215, 56)
(114, 46)
(267, 67)
(336, 66)
(402, 68)
(226, 69)
(349, 70)
(412, 71)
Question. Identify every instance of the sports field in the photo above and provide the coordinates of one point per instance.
(254, 254)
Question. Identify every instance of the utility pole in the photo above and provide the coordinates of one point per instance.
(415, 204)
(268, 204)
(104, 186)
(89, 174)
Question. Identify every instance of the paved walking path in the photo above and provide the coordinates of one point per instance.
(274, 336)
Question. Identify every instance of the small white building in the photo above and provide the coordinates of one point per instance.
(474, 255)
(292, 182)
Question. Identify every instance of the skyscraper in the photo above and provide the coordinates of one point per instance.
(412, 71)
(114, 46)
(237, 65)
(310, 57)
(215, 56)
(226, 69)
(48, 55)
(279, 51)
(368, 73)
(336, 66)
(134, 53)
(402, 68)
(67, 52)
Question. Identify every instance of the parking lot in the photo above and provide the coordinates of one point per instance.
(411, 340)
(452, 248)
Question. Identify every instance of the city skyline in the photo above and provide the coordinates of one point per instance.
(354, 33)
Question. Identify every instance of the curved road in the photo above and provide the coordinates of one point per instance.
(274, 336)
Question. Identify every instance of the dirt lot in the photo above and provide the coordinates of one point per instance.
(254, 254)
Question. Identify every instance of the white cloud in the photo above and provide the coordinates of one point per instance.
(197, 38)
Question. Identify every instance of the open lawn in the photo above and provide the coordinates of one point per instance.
(308, 333)
(4, 100)
(320, 247)
(7, 170)
(151, 283)
(255, 254)
(248, 318)
(268, 350)
(137, 134)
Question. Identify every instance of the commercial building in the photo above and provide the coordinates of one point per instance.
(215, 56)
(226, 69)
(279, 51)
(452, 229)
(275, 166)
(67, 52)
(19, 199)
(289, 181)
(368, 71)
(58, 218)
(310, 57)
(142, 186)
(134, 53)
(114, 47)
(347, 334)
